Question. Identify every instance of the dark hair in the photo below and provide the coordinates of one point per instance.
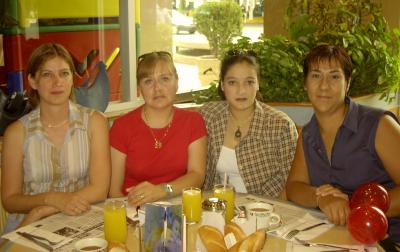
(38, 58)
(234, 57)
(147, 62)
(330, 53)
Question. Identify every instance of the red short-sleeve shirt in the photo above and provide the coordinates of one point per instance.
(130, 135)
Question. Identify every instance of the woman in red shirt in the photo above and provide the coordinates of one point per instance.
(157, 149)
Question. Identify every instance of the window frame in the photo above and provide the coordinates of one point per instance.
(129, 97)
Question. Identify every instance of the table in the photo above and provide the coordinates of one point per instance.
(336, 235)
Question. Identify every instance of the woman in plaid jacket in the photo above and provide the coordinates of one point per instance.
(249, 141)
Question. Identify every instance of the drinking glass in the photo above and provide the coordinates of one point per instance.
(115, 228)
(191, 201)
(227, 193)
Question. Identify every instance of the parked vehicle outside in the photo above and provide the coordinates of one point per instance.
(182, 23)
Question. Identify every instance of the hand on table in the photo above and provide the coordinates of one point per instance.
(334, 203)
(328, 189)
(144, 192)
(335, 208)
(38, 213)
(68, 203)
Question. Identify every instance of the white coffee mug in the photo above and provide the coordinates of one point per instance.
(91, 245)
(265, 217)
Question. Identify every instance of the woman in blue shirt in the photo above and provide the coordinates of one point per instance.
(344, 145)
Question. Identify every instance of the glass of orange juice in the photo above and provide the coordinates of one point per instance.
(191, 201)
(115, 228)
(227, 193)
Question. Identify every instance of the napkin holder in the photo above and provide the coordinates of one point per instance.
(163, 227)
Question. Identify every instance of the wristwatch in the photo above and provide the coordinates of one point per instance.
(169, 190)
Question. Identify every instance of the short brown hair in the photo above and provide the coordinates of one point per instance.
(38, 58)
(147, 62)
(330, 53)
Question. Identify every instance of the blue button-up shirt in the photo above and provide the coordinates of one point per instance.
(354, 160)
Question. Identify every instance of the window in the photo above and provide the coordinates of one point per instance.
(90, 30)
(114, 31)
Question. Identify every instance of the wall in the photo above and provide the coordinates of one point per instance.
(391, 9)
(274, 11)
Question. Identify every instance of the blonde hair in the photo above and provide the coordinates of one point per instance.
(147, 62)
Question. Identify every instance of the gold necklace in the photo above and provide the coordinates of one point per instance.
(49, 125)
(158, 142)
(238, 132)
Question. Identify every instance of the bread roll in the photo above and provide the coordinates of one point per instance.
(235, 248)
(259, 240)
(214, 246)
(247, 244)
(236, 230)
(253, 243)
(212, 239)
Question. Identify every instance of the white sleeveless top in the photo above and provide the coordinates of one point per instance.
(227, 163)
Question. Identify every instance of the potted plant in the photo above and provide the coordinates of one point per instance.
(358, 26)
(220, 22)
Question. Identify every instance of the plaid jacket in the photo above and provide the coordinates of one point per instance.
(264, 155)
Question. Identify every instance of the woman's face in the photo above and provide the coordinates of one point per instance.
(240, 86)
(326, 86)
(159, 89)
(53, 81)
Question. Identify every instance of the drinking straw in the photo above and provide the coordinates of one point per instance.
(183, 233)
(225, 180)
(165, 227)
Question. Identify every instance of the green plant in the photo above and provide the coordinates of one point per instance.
(219, 22)
(357, 25)
(210, 94)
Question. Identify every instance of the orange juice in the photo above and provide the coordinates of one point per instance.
(228, 194)
(191, 201)
(115, 228)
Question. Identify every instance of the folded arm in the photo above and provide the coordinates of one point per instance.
(147, 192)
(330, 200)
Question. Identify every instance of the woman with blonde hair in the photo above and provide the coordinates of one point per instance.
(157, 149)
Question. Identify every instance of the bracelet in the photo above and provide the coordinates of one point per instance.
(168, 190)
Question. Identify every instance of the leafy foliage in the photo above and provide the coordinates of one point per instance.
(210, 94)
(219, 22)
(357, 25)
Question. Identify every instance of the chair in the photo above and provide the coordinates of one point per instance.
(3, 214)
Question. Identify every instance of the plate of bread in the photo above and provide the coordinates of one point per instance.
(234, 239)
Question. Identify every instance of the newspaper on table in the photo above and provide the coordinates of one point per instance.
(61, 228)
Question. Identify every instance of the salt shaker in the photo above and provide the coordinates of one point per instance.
(213, 212)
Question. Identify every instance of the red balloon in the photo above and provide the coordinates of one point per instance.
(373, 194)
(367, 224)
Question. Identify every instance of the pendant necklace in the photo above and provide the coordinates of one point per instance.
(158, 142)
(49, 125)
(238, 132)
